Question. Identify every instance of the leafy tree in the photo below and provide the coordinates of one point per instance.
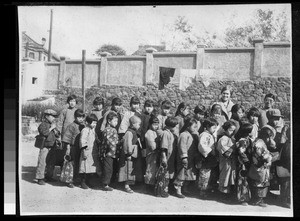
(113, 49)
(264, 24)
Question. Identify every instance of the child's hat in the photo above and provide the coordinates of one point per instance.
(51, 112)
(273, 113)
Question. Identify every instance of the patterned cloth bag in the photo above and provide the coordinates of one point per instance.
(162, 182)
(66, 175)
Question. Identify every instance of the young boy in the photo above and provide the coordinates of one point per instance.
(98, 105)
(108, 150)
(168, 146)
(269, 103)
(66, 116)
(165, 113)
(274, 120)
(47, 153)
(131, 171)
(71, 140)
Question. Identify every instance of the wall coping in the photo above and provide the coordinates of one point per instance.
(174, 53)
(277, 44)
(126, 58)
(233, 49)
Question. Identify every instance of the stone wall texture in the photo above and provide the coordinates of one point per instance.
(248, 93)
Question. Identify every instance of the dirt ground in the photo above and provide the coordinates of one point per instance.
(57, 199)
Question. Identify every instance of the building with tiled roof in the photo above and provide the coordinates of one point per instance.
(33, 51)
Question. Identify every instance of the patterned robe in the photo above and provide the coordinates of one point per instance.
(91, 163)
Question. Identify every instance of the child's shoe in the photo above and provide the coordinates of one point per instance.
(83, 185)
(41, 182)
(70, 185)
(260, 202)
(107, 188)
(128, 190)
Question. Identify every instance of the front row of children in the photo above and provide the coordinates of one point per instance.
(181, 149)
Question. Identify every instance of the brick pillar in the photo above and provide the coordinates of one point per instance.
(149, 73)
(200, 57)
(258, 57)
(103, 68)
(62, 72)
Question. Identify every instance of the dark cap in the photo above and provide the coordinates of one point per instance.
(50, 112)
(273, 113)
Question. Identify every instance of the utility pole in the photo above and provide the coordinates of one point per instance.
(83, 74)
(50, 36)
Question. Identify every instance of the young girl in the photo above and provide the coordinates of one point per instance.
(187, 148)
(165, 113)
(260, 163)
(209, 163)
(253, 115)
(243, 163)
(181, 112)
(168, 145)
(98, 105)
(89, 160)
(216, 113)
(47, 153)
(116, 106)
(108, 150)
(237, 113)
(227, 161)
(152, 154)
(200, 114)
(71, 139)
(131, 171)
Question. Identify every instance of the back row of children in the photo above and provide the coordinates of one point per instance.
(233, 157)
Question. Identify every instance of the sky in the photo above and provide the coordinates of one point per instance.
(77, 28)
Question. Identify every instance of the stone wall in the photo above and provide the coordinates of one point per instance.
(248, 93)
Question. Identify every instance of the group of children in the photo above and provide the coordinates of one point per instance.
(223, 149)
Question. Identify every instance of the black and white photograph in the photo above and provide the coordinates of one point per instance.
(155, 110)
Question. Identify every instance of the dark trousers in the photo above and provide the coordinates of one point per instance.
(109, 166)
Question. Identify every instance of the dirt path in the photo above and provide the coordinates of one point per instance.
(56, 198)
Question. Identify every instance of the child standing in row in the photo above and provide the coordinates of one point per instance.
(181, 112)
(108, 149)
(260, 163)
(66, 116)
(237, 113)
(187, 148)
(244, 146)
(71, 139)
(227, 161)
(165, 113)
(131, 172)
(206, 146)
(253, 115)
(98, 105)
(46, 158)
(152, 152)
(89, 160)
(168, 147)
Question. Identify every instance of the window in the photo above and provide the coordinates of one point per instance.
(31, 55)
(34, 80)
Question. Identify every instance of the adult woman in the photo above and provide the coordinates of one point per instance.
(226, 102)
